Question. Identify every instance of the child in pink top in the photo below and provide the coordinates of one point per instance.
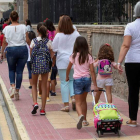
(105, 53)
(83, 66)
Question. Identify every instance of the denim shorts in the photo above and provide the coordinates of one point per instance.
(82, 85)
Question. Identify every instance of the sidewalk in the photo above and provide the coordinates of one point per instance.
(57, 125)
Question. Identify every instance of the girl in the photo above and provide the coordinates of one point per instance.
(105, 53)
(42, 69)
(83, 65)
(31, 35)
(28, 25)
(52, 81)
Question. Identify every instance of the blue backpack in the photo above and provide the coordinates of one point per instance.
(40, 58)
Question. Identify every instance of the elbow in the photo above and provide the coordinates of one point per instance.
(126, 46)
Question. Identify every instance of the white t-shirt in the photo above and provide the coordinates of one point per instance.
(49, 43)
(29, 28)
(74, 27)
(15, 35)
(63, 44)
(133, 30)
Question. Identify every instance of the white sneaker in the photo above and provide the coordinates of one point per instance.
(48, 99)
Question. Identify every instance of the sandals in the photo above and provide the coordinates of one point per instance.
(65, 109)
(131, 123)
(12, 90)
(73, 105)
(16, 96)
(85, 123)
(79, 124)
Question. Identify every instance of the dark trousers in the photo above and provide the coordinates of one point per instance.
(133, 78)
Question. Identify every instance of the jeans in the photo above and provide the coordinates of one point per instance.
(29, 69)
(66, 87)
(16, 58)
(82, 85)
(133, 78)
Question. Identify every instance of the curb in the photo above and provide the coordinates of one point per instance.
(17, 122)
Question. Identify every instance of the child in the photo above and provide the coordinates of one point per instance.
(105, 55)
(52, 81)
(83, 65)
(40, 60)
(31, 35)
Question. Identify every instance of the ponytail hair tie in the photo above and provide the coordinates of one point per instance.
(107, 44)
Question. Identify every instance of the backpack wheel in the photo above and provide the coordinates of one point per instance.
(99, 133)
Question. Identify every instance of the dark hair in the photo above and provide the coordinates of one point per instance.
(65, 25)
(49, 25)
(42, 30)
(106, 52)
(28, 22)
(6, 19)
(14, 16)
(31, 35)
(81, 47)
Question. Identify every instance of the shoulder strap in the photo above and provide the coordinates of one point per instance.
(45, 41)
(35, 41)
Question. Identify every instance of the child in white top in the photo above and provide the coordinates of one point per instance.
(44, 76)
(105, 53)
(83, 66)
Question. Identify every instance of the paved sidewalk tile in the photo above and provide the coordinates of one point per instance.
(57, 125)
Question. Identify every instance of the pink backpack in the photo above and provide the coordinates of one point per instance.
(105, 67)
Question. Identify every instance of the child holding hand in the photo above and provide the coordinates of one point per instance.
(83, 66)
(105, 63)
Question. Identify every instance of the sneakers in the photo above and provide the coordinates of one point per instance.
(39, 96)
(48, 99)
(42, 112)
(79, 124)
(35, 107)
(53, 93)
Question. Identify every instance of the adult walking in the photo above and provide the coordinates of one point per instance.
(63, 44)
(130, 50)
(28, 25)
(15, 35)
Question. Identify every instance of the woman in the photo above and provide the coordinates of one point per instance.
(63, 44)
(28, 25)
(130, 50)
(16, 36)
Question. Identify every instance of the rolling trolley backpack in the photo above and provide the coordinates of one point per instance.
(106, 117)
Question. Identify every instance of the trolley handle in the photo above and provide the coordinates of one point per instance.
(92, 91)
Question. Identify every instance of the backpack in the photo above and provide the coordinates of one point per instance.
(105, 67)
(106, 112)
(40, 58)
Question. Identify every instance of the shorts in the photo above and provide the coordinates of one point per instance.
(54, 73)
(105, 82)
(82, 85)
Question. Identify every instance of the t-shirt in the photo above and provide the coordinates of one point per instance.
(4, 25)
(63, 44)
(133, 30)
(1, 39)
(100, 77)
(51, 35)
(83, 69)
(49, 43)
(29, 28)
(15, 35)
